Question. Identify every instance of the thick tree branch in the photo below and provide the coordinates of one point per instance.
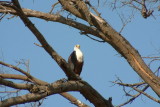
(55, 18)
(82, 9)
(54, 88)
(58, 87)
(89, 93)
(122, 46)
(39, 82)
(60, 61)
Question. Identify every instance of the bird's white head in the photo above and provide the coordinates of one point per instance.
(76, 47)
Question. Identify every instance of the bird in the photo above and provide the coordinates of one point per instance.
(76, 60)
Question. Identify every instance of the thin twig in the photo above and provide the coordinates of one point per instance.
(38, 45)
(152, 98)
(30, 77)
(129, 85)
(60, 61)
(140, 91)
(83, 33)
(53, 7)
(17, 69)
(10, 91)
(133, 98)
(2, 16)
(125, 21)
(152, 57)
(153, 60)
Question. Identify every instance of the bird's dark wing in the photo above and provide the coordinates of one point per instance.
(78, 68)
(72, 60)
(74, 64)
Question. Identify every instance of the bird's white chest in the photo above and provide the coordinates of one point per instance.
(79, 55)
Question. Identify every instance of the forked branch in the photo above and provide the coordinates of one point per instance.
(87, 91)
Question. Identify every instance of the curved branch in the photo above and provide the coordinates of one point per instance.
(55, 18)
(133, 98)
(135, 87)
(120, 44)
(39, 82)
(60, 61)
(29, 77)
(15, 85)
(59, 87)
(16, 68)
(15, 76)
(141, 91)
(87, 91)
(109, 35)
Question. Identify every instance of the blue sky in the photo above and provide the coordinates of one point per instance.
(102, 63)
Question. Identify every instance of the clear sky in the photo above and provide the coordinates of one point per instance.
(102, 63)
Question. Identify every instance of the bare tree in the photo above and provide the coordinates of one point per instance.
(98, 27)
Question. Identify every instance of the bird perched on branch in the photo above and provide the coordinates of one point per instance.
(75, 60)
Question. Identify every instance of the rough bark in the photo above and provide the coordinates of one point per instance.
(39, 92)
(120, 44)
(87, 91)
(102, 30)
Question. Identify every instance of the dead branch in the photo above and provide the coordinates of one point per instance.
(17, 69)
(2, 16)
(10, 91)
(57, 58)
(124, 48)
(84, 33)
(53, 7)
(139, 5)
(55, 18)
(133, 97)
(121, 45)
(125, 21)
(30, 88)
(154, 57)
(15, 76)
(135, 87)
(129, 85)
(74, 100)
(138, 90)
(30, 77)
(147, 95)
(54, 88)
(60, 61)
(14, 85)
(38, 45)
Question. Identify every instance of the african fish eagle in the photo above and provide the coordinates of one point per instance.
(75, 60)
